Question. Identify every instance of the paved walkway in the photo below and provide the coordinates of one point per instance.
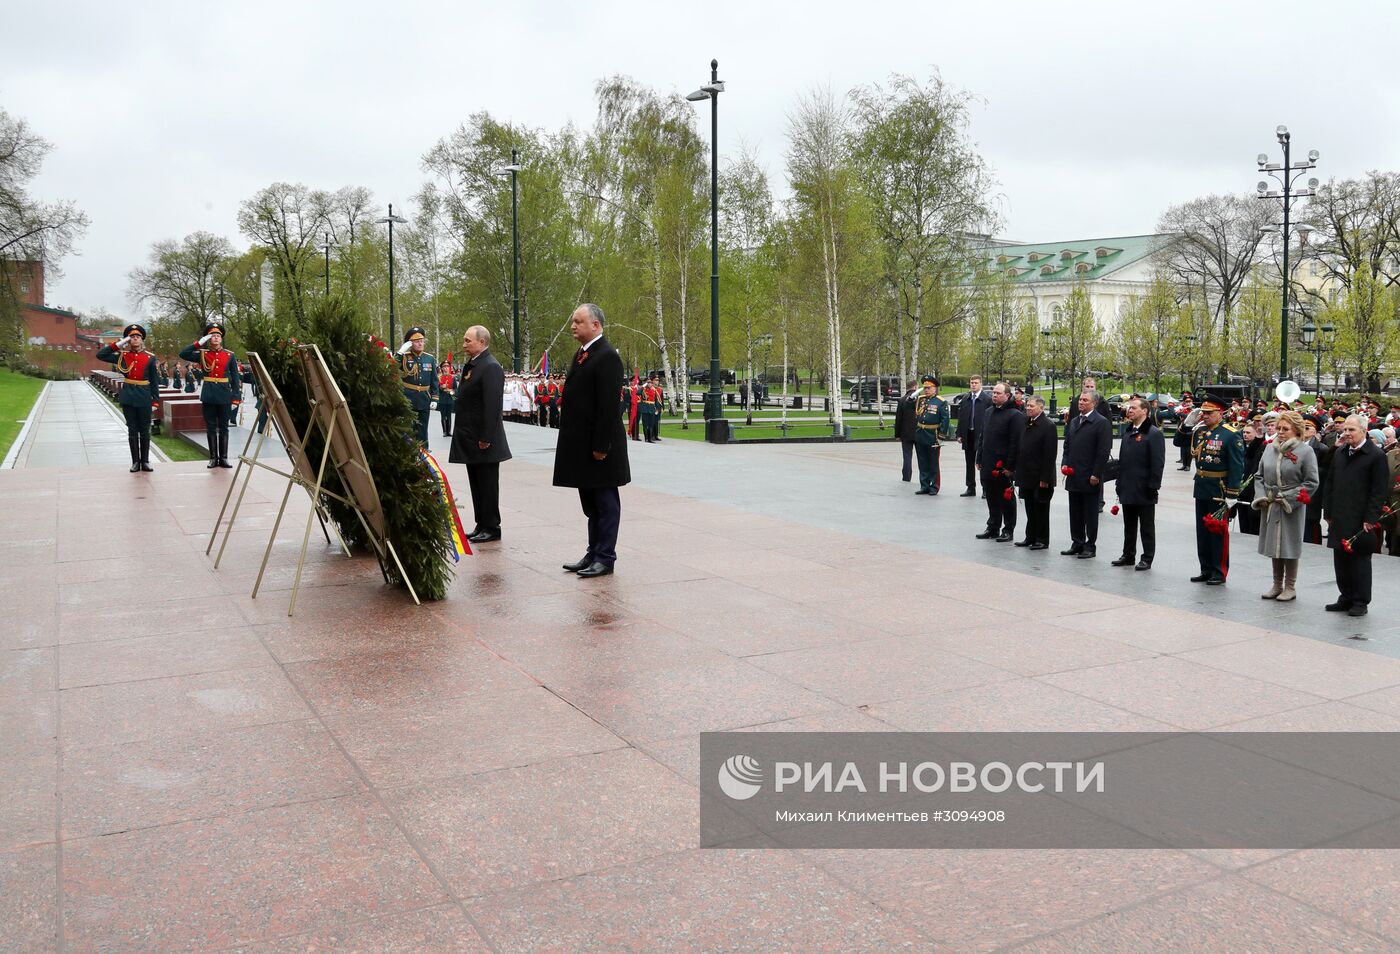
(515, 768)
(73, 426)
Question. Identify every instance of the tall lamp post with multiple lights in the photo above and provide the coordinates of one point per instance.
(716, 428)
(1313, 340)
(326, 245)
(1285, 174)
(513, 169)
(390, 220)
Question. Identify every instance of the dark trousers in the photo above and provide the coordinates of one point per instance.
(485, 481)
(907, 447)
(1185, 455)
(1001, 509)
(1084, 517)
(1249, 518)
(1353, 576)
(138, 431)
(1142, 516)
(420, 429)
(446, 413)
(1210, 547)
(216, 429)
(603, 508)
(1038, 515)
(929, 477)
(970, 453)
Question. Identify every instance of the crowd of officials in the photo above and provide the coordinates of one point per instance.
(1327, 473)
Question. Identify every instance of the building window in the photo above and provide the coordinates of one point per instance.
(24, 286)
(1057, 314)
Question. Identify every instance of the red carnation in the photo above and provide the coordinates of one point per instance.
(1304, 497)
(1113, 510)
(1008, 493)
(1067, 471)
(1346, 545)
(999, 465)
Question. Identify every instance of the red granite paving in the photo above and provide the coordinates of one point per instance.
(184, 767)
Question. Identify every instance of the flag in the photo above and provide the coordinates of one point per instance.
(458, 545)
(544, 363)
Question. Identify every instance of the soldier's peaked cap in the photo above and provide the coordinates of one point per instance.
(210, 327)
(930, 379)
(133, 329)
(1214, 402)
(415, 334)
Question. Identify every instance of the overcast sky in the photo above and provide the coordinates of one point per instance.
(1093, 115)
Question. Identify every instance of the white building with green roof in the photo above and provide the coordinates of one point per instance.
(1042, 274)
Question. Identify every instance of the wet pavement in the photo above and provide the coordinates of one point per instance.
(72, 425)
(515, 768)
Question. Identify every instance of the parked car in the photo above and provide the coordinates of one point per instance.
(863, 388)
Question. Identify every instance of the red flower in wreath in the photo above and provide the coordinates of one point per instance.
(1304, 497)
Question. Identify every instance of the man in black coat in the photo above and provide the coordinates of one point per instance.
(592, 450)
(998, 447)
(1357, 489)
(1142, 456)
(904, 430)
(1088, 438)
(479, 438)
(1035, 472)
(974, 405)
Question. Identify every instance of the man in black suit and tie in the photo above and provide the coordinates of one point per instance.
(1142, 455)
(592, 450)
(970, 413)
(1087, 441)
(479, 439)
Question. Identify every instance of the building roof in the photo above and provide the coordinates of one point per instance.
(1089, 259)
(50, 310)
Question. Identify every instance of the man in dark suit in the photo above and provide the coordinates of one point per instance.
(1035, 472)
(970, 412)
(592, 450)
(1088, 438)
(479, 439)
(1142, 455)
(1356, 491)
(998, 447)
(904, 430)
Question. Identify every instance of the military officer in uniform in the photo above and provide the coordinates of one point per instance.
(1219, 455)
(930, 423)
(418, 374)
(140, 390)
(651, 411)
(221, 388)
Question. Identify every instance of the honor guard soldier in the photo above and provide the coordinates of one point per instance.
(446, 399)
(556, 400)
(177, 380)
(140, 390)
(220, 390)
(541, 392)
(931, 419)
(650, 411)
(418, 374)
(1219, 455)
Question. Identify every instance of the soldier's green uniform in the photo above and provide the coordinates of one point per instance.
(139, 394)
(220, 389)
(418, 373)
(931, 419)
(1219, 454)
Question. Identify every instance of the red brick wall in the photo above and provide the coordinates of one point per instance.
(28, 280)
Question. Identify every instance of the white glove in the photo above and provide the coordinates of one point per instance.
(205, 340)
(1193, 418)
(124, 342)
(406, 347)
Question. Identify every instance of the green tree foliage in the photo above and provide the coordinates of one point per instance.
(1366, 321)
(1148, 334)
(367, 375)
(1254, 340)
(179, 285)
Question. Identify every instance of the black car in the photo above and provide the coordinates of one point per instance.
(863, 388)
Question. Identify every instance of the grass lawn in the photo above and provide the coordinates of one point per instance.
(177, 448)
(17, 395)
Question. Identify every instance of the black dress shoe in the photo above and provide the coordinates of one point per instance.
(968, 493)
(579, 564)
(1072, 551)
(1200, 578)
(1341, 606)
(1216, 581)
(147, 467)
(225, 464)
(1004, 538)
(1024, 543)
(596, 568)
(1183, 468)
(484, 536)
(135, 467)
(1040, 546)
(213, 462)
(986, 535)
(1357, 609)
(919, 493)
(1123, 561)
(1088, 553)
(1143, 565)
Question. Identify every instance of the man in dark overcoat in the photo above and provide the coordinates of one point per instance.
(479, 438)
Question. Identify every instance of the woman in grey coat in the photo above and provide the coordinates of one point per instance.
(1287, 468)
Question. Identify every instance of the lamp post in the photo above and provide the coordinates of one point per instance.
(1285, 173)
(1190, 350)
(1052, 338)
(514, 168)
(390, 219)
(326, 245)
(1312, 340)
(715, 424)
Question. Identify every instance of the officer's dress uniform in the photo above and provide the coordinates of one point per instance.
(931, 419)
(651, 414)
(139, 394)
(418, 373)
(446, 403)
(1219, 455)
(220, 390)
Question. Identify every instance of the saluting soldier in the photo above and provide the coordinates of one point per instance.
(651, 411)
(221, 388)
(931, 419)
(140, 390)
(177, 380)
(1219, 455)
(418, 374)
